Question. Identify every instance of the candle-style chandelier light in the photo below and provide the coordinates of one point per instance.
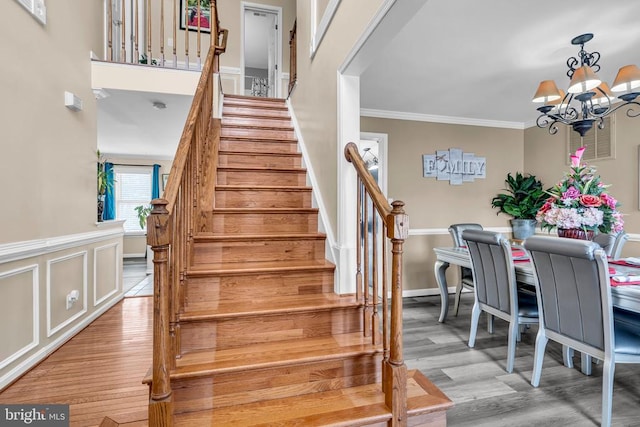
(588, 99)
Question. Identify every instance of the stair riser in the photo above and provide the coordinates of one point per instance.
(266, 161)
(232, 333)
(258, 223)
(263, 199)
(255, 112)
(230, 389)
(208, 291)
(266, 250)
(261, 177)
(249, 133)
(255, 102)
(257, 122)
(258, 146)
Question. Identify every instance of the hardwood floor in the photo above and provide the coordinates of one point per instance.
(484, 394)
(99, 373)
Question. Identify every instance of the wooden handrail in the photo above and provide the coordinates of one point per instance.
(395, 223)
(293, 57)
(171, 227)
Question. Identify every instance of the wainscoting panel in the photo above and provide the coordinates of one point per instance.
(65, 275)
(19, 312)
(106, 272)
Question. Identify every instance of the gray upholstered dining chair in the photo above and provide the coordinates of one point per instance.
(495, 287)
(612, 243)
(466, 277)
(574, 296)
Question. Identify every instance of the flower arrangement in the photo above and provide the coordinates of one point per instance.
(580, 201)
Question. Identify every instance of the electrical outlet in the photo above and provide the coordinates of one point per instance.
(72, 297)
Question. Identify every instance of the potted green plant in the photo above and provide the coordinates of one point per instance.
(523, 198)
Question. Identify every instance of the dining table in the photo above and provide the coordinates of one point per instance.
(624, 294)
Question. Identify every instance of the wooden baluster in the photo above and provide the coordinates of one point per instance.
(149, 52)
(158, 236)
(162, 33)
(109, 31)
(292, 56)
(186, 34)
(136, 34)
(123, 32)
(385, 302)
(199, 37)
(175, 33)
(395, 385)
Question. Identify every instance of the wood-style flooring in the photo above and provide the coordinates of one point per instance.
(99, 373)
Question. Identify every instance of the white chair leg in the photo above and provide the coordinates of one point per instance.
(608, 371)
(514, 332)
(475, 318)
(490, 323)
(456, 303)
(567, 356)
(541, 344)
(585, 363)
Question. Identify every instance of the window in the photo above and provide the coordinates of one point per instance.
(133, 188)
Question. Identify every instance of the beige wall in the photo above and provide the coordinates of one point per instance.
(315, 97)
(48, 162)
(50, 243)
(433, 205)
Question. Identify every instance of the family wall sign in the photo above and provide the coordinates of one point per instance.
(454, 166)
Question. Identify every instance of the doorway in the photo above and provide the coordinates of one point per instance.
(261, 50)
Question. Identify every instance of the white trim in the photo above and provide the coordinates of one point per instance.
(326, 227)
(230, 70)
(118, 257)
(634, 237)
(31, 248)
(323, 26)
(36, 312)
(83, 254)
(30, 362)
(445, 231)
(417, 117)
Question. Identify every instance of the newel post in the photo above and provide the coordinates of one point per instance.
(395, 371)
(158, 237)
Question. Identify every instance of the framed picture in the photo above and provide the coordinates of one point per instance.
(189, 15)
(165, 177)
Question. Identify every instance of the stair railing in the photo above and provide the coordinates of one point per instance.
(293, 57)
(373, 210)
(143, 32)
(170, 230)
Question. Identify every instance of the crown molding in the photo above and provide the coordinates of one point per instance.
(400, 115)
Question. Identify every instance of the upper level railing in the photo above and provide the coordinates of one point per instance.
(373, 212)
(165, 33)
(171, 227)
(293, 57)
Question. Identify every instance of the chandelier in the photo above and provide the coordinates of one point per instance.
(588, 99)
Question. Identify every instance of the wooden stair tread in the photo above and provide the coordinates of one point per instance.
(265, 210)
(260, 153)
(249, 139)
(248, 267)
(272, 354)
(267, 305)
(253, 98)
(213, 237)
(354, 406)
(256, 126)
(260, 168)
(231, 187)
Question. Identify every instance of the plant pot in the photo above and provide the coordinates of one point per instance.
(523, 228)
(100, 207)
(576, 233)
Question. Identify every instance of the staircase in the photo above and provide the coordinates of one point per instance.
(261, 338)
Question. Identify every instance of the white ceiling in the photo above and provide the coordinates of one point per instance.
(462, 61)
(482, 60)
(129, 125)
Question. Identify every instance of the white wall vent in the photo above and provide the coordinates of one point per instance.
(37, 8)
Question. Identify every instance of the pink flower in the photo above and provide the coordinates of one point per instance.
(608, 200)
(575, 158)
(572, 193)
